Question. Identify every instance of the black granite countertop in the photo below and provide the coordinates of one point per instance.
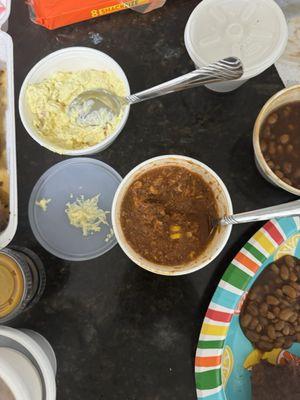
(118, 331)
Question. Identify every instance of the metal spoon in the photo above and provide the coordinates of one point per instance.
(98, 106)
(282, 210)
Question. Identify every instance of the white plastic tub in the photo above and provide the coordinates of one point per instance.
(6, 63)
(38, 353)
(20, 375)
(224, 207)
(253, 30)
(70, 59)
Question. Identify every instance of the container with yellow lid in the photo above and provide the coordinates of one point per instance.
(22, 281)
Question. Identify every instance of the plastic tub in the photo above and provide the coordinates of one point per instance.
(19, 375)
(7, 64)
(253, 30)
(63, 183)
(285, 96)
(23, 284)
(45, 345)
(37, 352)
(224, 208)
(70, 59)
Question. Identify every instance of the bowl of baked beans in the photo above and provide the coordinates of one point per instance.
(276, 140)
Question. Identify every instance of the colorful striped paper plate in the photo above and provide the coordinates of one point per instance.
(222, 347)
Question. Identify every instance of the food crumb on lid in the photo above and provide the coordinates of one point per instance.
(43, 203)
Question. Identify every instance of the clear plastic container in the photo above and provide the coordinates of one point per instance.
(65, 182)
(6, 64)
(253, 30)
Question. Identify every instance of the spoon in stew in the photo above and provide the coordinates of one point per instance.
(98, 106)
(282, 210)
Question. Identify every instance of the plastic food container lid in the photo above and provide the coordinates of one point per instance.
(253, 30)
(11, 285)
(63, 183)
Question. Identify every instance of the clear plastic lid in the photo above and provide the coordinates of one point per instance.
(253, 30)
(63, 183)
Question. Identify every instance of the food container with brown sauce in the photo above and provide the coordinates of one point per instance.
(8, 176)
(223, 207)
(284, 97)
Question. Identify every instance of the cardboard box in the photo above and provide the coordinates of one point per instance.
(56, 13)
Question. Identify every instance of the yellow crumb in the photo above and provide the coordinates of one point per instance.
(43, 203)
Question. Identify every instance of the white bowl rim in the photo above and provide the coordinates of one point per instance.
(129, 176)
(88, 150)
(257, 150)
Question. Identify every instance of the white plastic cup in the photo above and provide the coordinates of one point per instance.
(19, 374)
(37, 351)
(224, 207)
(253, 30)
(71, 59)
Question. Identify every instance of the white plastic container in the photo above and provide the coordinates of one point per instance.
(224, 207)
(37, 353)
(253, 30)
(70, 59)
(45, 345)
(6, 63)
(20, 375)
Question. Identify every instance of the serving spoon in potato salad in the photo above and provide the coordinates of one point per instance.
(99, 106)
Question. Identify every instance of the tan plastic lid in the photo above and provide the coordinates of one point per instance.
(11, 285)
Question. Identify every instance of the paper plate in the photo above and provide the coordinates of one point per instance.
(223, 347)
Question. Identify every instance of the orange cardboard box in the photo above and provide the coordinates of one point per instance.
(56, 13)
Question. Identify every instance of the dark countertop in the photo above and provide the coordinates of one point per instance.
(118, 331)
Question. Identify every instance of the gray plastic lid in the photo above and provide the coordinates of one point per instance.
(63, 183)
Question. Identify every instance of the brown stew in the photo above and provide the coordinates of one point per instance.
(166, 215)
(280, 143)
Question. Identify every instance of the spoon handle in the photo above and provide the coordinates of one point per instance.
(282, 210)
(227, 69)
